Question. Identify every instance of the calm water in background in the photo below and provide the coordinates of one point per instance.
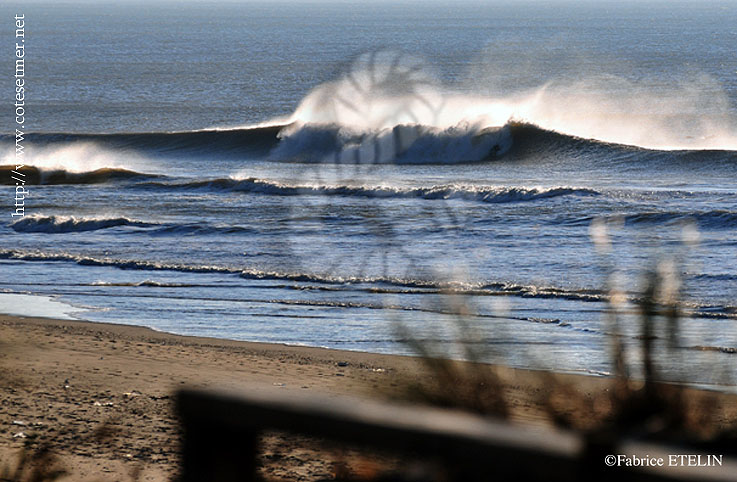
(240, 234)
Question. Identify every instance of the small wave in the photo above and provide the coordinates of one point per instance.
(711, 311)
(715, 219)
(715, 276)
(40, 176)
(472, 288)
(199, 229)
(122, 264)
(721, 349)
(378, 284)
(707, 219)
(487, 194)
(70, 224)
(533, 291)
(146, 283)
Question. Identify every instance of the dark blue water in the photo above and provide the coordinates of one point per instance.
(347, 176)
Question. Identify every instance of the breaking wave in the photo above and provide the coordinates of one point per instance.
(70, 224)
(401, 144)
(146, 283)
(486, 194)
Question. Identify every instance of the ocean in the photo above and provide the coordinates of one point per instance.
(477, 176)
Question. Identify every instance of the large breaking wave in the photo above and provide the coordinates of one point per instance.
(402, 144)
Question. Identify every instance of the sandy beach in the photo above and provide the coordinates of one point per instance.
(99, 396)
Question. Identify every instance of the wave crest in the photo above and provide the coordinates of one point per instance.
(486, 194)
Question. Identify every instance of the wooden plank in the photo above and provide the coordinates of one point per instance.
(474, 445)
(221, 429)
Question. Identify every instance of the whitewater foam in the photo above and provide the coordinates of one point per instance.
(73, 157)
(386, 88)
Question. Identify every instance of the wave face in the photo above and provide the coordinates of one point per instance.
(221, 142)
(70, 224)
(401, 144)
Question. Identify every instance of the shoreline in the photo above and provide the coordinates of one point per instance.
(99, 395)
(58, 313)
(72, 316)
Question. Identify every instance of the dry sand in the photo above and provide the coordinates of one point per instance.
(99, 396)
